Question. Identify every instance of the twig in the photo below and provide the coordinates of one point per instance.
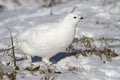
(13, 76)
(74, 8)
(13, 50)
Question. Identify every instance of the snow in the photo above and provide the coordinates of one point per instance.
(101, 19)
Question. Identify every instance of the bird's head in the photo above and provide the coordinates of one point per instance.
(72, 18)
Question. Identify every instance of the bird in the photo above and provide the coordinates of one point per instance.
(46, 40)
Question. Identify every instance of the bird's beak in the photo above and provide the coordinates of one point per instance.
(81, 18)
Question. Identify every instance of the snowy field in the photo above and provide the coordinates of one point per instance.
(99, 31)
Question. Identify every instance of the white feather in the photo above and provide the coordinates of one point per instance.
(46, 40)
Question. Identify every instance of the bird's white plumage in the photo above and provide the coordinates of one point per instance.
(48, 39)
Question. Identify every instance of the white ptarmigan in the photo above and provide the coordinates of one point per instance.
(46, 40)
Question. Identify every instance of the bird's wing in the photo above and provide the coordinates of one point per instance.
(40, 28)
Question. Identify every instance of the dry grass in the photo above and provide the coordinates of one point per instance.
(108, 53)
(2, 7)
(88, 48)
(7, 71)
(16, 2)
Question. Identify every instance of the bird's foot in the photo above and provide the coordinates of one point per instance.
(30, 67)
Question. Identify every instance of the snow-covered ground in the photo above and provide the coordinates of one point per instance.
(101, 20)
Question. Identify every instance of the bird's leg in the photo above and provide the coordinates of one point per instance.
(46, 65)
(46, 61)
(47, 68)
(29, 58)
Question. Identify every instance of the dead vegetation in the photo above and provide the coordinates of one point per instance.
(48, 3)
(108, 53)
(88, 47)
(2, 7)
(16, 2)
(7, 71)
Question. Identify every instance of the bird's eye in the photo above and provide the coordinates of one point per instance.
(75, 17)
